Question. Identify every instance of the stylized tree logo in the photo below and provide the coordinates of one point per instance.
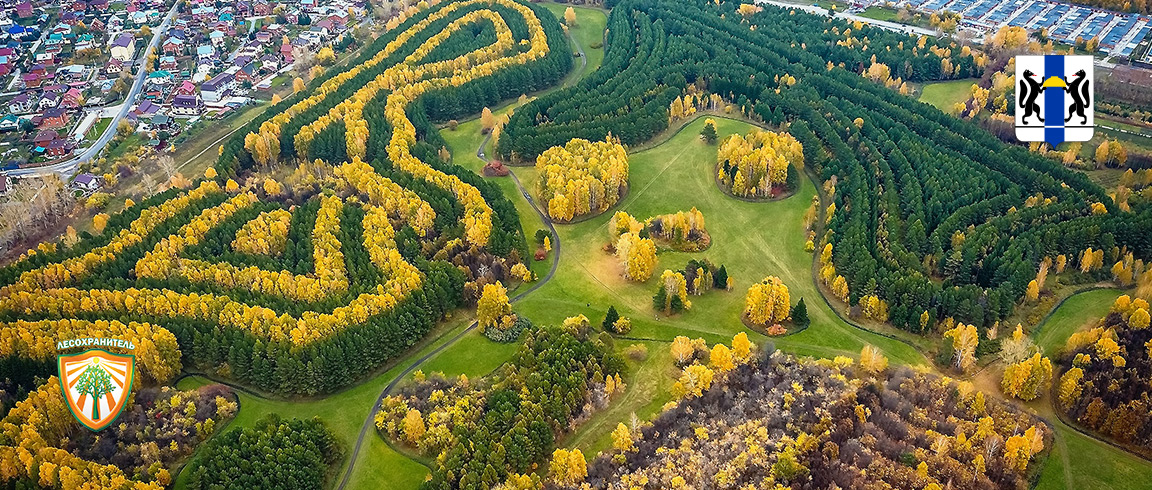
(96, 382)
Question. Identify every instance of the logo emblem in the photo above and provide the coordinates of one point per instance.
(1054, 101)
(96, 384)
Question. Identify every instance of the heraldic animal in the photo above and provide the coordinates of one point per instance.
(1081, 96)
(1029, 92)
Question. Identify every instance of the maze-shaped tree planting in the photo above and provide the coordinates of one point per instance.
(297, 291)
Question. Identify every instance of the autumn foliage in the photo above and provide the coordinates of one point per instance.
(581, 178)
(767, 302)
(757, 165)
(1105, 385)
(823, 424)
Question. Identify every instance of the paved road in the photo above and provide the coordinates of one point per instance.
(67, 168)
(892, 26)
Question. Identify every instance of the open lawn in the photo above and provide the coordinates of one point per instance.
(752, 240)
(96, 130)
(944, 95)
(879, 13)
(1078, 311)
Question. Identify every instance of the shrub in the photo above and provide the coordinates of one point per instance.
(636, 352)
(510, 334)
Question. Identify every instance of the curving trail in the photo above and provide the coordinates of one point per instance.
(369, 420)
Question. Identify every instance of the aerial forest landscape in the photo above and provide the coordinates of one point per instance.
(629, 244)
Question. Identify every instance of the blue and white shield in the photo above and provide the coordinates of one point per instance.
(1054, 100)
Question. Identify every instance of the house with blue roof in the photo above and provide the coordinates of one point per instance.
(205, 52)
(9, 123)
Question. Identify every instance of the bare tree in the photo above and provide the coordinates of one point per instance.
(167, 165)
(148, 183)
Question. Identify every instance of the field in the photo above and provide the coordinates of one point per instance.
(943, 95)
(674, 176)
(879, 13)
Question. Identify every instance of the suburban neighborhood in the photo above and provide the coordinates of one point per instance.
(67, 70)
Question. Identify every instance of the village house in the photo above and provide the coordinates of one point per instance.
(186, 87)
(85, 41)
(86, 182)
(59, 148)
(24, 10)
(144, 110)
(246, 74)
(113, 67)
(72, 73)
(173, 46)
(21, 104)
(11, 122)
(187, 105)
(54, 118)
(218, 87)
(44, 138)
(48, 100)
(30, 80)
(123, 47)
(72, 99)
(205, 52)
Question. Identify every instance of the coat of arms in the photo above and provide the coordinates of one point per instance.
(1054, 98)
(96, 384)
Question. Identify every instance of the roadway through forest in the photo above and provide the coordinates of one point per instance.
(369, 421)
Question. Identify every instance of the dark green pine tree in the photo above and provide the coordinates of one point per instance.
(610, 319)
(709, 133)
(800, 314)
(720, 278)
(95, 382)
(660, 300)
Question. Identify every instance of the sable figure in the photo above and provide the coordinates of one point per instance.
(1081, 96)
(1029, 92)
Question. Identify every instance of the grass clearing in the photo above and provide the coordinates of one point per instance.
(648, 388)
(879, 13)
(944, 95)
(1080, 462)
(1075, 313)
(344, 413)
(752, 239)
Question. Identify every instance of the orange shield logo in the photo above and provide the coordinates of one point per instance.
(96, 384)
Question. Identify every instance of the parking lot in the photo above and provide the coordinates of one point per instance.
(1119, 33)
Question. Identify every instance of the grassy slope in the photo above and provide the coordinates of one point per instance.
(1073, 314)
(944, 95)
